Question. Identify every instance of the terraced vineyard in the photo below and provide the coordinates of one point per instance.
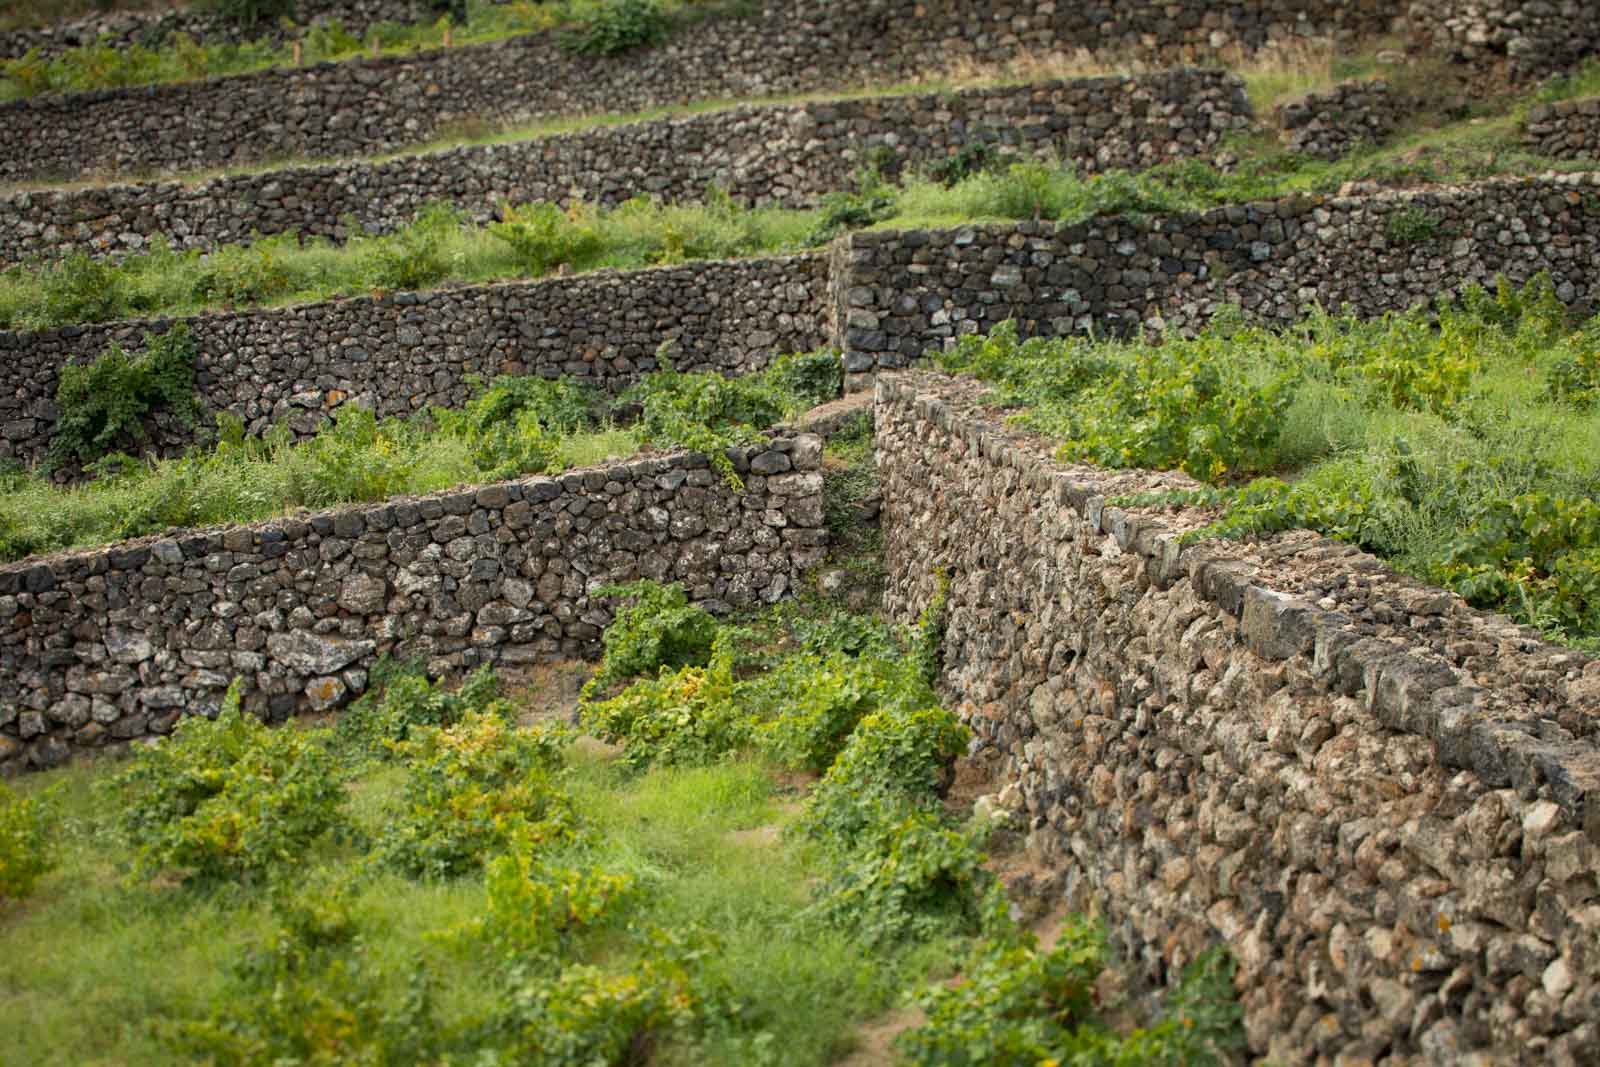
(630, 532)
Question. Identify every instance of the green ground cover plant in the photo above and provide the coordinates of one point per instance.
(1457, 442)
(441, 246)
(586, 27)
(26, 852)
(497, 894)
(513, 426)
(438, 247)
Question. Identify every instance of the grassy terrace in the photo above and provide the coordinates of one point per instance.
(1461, 443)
(442, 247)
(460, 878)
(516, 426)
(588, 26)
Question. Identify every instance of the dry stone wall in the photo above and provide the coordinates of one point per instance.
(782, 156)
(150, 29)
(1331, 124)
(1530, 38)
(115, 644)
(401, 352)
(1386, 804)
(901, 294)
(370, 106)
(1568, 130)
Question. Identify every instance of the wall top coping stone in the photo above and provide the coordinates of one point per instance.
(1379, 635)
(36, 573)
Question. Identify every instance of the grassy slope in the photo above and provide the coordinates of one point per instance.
(93, 958)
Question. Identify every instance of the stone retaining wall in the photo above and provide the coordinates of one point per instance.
(1332, 124)
(126, 28)
(1386, 804)
(370, 106)
(783, 156)
(115, 643)
(910, 291)
(401, 352)
(1568, 130)
(1530, 38)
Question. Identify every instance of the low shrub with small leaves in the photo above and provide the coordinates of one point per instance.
(687, 717)
(106, 402)
(26, 853)
(657, 628)
(470, 790)
(227, 798)
(1017, 1005)
(902, 754)
(587, 1016)
(400, 699)
(809, 704)
(907, 875)
(311, 994)
(610, 27)
(532, 906)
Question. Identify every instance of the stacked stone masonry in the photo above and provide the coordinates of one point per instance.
(1386, 804)
(399, 353)
(1530, 38)
(123, 29)
(377, 105)
(1568, 130)
(777, 156)
(114, 644)
(1332, 124)
(902, 293)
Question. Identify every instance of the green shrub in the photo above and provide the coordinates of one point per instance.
(470, 790)
(26, 850)
(227, 798)
(1017, 1006)
(1412, 225)
(808, 379)
(532, 906)
(684, 717)
(811, 703)
(562, 405)
(542, 236)
(903, 752)
(256, 274)
(310, 994)
(589, 1016)
(610, 27)
(658, 628)
(104, 402)
(906, 876)
(706, 412)
(80, 288)
(413, 257)
(400, 699)
(972, 158)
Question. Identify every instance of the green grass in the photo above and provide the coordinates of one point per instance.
(439, 248)
(442, 247)
(1463, 449)
(514, 427)
(695, 926)
(93, 957)
(181, 58)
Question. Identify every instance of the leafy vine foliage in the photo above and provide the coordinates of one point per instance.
(105, 403)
